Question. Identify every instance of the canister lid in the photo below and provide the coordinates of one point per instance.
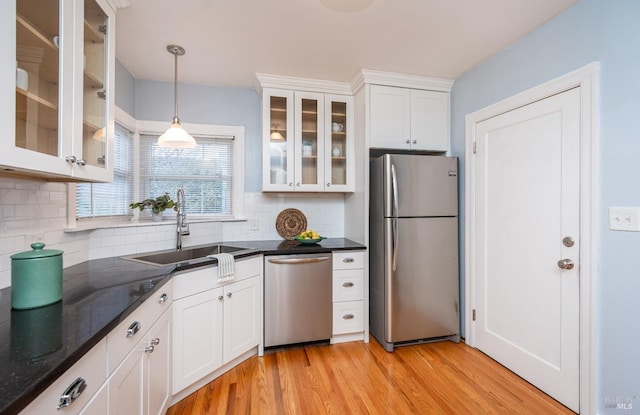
(38, 252)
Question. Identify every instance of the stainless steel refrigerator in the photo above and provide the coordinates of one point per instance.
(413, 239)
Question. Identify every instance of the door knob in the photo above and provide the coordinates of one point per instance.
(565, 263)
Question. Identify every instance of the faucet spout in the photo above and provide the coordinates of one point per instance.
(182, 227)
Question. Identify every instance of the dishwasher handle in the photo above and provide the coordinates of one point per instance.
(299, 260)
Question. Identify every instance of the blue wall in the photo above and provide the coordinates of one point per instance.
(608, 32)
(125, 89)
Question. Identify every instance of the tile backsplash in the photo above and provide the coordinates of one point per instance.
(33, 211)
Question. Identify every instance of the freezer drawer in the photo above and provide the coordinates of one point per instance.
(297, 299)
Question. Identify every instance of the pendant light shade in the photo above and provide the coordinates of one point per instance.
(176, 136)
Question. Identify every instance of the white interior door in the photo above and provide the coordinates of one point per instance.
(528, 202)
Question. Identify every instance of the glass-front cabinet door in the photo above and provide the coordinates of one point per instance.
(51, 133)
(278, 153)
(94, 117)
(339, 143)
(309, 141)
(37, 60)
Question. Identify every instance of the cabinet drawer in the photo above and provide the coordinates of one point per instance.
(348, 317)
(91, 367)
(348, 259)
(119, 343)
(348, 285)
(203, 279)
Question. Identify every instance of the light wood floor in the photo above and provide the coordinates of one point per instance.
(360, 378)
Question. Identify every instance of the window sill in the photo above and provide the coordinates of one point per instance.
(93, 224)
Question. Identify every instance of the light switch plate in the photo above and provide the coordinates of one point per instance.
(624, 219)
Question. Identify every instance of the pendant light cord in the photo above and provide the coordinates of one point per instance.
(175, 88)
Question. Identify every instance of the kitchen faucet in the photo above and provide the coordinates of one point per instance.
(182, 225)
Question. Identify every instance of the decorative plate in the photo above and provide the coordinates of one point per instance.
(290, 222)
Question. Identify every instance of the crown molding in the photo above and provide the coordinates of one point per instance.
(301, 84)
(368, 76)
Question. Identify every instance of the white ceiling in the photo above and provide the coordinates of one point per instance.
(228, 41)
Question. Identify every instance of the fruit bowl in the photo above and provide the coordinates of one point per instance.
(306, 241)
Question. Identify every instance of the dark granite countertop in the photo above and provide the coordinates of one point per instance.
(39, 345)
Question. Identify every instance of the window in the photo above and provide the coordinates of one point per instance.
(110, 199)
(212, 173)
(205, 172)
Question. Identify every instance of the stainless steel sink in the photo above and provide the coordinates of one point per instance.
(184, 255)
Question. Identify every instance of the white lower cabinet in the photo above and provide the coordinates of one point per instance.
(75, 388)
(348, 296)
(216, 325)
(140, 385)
(242, 317)
(197, 337)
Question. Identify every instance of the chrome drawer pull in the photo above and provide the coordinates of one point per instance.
(155, 341)
(348, 317)
(72, 393)
(149, 349)
(220, 298)
(348, 260)
(163, 298)
(348, 284)
(134, 328)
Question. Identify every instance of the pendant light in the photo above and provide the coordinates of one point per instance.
(176, 136)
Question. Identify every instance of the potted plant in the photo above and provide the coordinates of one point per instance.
(157, 206)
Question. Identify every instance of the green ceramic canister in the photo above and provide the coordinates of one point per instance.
(36, 277)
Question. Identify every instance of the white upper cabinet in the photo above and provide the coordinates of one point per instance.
(409, 119)
(339, 145)
(57, 80)
(308, 139)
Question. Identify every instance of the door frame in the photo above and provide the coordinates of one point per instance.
(585, 78)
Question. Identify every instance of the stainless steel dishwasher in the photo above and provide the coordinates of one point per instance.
(297, 298)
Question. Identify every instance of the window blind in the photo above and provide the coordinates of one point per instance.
(205, 172)
(110, 199)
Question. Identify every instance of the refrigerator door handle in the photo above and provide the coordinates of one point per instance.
(394, 229)
(394, 187)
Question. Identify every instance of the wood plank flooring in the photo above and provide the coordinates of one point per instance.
(361, 378)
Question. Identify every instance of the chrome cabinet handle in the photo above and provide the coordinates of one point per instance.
(134, 328)
(149, 349)
(229, 295)
(81, 162)
(565, 264)
(298, 184)
(72, 392)
(348, 317)
(155, 341)
(348, 284)
(348, 260)
(220, 298)
(71, 159)
(328, 184)
(407, 141)
(415, 141)
(163, 298)
(291, 184)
